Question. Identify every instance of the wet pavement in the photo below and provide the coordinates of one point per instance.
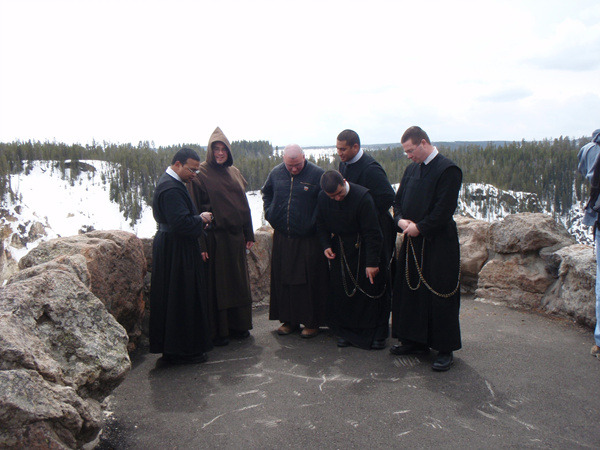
(521, 380)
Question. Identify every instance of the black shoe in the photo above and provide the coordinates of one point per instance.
(239, 334)
(378, 344)
(443, 362)
(220, 341)
(409, 349)
(343, 343)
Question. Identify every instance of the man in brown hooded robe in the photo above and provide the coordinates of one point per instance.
(219, 187)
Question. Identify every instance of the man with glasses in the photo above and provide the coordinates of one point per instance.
(179, 326)
(426, 296)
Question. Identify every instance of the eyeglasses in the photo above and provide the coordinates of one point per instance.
(194, 171)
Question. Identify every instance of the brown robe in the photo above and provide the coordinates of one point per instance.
(220, 189)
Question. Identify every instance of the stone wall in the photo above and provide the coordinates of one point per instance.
(528, 261)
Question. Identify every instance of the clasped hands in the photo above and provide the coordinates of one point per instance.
(409, 227)
(370, 272)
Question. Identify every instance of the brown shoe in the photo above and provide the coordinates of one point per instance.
(286, 329)
(308, 333)
(595, 351)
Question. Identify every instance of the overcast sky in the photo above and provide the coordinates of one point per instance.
(297, 71)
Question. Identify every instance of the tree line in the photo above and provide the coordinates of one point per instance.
(546, 168)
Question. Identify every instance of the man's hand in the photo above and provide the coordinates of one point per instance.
(412, 230)
(249, 244)
(329, 253)
(372, 273)
(206, 217)
(204, 256)
(404, 223)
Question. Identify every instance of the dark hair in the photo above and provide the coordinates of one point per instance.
(184, 154)
(331, 181)
(350, 136)
(415, 134)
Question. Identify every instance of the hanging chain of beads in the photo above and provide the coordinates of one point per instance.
(420, 271)
(344, 262)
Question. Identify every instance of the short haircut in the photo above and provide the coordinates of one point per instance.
(415, 134)
(331, 181)
(184, 154)
(350, 136)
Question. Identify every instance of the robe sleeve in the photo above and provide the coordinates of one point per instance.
(370, 230)
(202, 203)
(398, 204)
(379, 187)
(444, 202)
(178, 215)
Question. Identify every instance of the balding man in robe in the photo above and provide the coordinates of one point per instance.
(299, 273)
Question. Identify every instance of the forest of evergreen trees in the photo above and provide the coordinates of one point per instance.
(546, 168)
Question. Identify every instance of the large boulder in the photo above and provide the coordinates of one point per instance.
(61, 355)
(534, 263)
(116, 264)
(259, 264)
(472, 234)
(527, 232)
(517, 280)
(573, 294)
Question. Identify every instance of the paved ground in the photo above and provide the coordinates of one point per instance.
(521, 380)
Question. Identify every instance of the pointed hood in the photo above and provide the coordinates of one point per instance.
(218, 136)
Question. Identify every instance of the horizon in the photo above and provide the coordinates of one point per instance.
(280, 146)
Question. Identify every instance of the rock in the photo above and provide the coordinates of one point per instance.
(516, 280)
(116, 264)
(259, 264)
(61, 355)
(527, 232)
(147, 247)
(573, 294)
(36, 231)
(473, 250)
(16, 241)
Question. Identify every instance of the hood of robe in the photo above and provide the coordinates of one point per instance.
(596, 136)
(218, 136)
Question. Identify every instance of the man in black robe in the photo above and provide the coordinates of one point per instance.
(426, 297)
(348, 228)
(299, 275)
(359, 168)
(178, 311)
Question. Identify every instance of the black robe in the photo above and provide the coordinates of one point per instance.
(368, 173)
(178, 310)
(361, 317)
(428, 195)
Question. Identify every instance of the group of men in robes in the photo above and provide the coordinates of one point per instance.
(348, 213)
(333, 251)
